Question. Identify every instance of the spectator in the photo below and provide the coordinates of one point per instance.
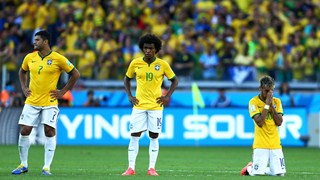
(91, 101)
(222, 100)
(285, 96)
(209, 62)
(183, 63)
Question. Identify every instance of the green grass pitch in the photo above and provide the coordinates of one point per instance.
(104, 162)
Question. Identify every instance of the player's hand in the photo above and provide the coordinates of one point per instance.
(26, 92)
(134, 101)
(56, 94)
(163, 100)
(269, 97)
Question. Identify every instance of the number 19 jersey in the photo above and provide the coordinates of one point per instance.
(149, 79)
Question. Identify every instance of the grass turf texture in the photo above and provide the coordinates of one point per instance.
(103, 162)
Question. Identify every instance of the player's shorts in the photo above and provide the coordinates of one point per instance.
(264, 157)
(142, 120)
(32, 115)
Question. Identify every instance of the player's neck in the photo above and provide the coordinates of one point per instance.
(44, 52)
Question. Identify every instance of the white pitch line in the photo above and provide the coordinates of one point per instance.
(209, 172)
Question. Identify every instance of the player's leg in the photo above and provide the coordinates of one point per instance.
(154, 128)
(49, 118)
(277, 164)
(28, 119)
(260, 162)
(138, 124)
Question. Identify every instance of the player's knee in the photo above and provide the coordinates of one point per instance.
(26, 130)
(153, 135)
(49, 131)
(138, 134)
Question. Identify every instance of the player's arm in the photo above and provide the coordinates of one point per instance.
(127, 86)
(260, 118)
(165, 99)
(23, 77)
(74, 76)
(276, 116)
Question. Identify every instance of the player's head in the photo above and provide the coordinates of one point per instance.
(41, 38)
(266, 85)
(150, 41)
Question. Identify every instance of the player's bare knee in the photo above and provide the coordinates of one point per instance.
(138, 134)
(25, 130)
(153, 135)
(49, 131)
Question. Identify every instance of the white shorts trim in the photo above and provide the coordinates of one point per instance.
(142, 120)
(272, 158)
(33, 115)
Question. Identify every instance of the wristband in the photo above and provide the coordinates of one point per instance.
(266, 107)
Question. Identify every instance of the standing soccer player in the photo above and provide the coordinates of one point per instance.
(45, 67)
(266, 112)
(147, 111)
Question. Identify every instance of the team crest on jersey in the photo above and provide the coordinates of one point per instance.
(256, 167)
(49, 62)
(157, 67)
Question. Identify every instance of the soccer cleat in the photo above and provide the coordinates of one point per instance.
(152, 172)
(20, 169)
(46, 172)
(129, 172)
(244, 171)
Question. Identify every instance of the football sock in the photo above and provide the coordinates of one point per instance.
(153, 152)
(133, 150)
(49, 148)
(24, 145)
(249, 170)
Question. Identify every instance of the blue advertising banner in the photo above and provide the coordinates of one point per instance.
(210, 127)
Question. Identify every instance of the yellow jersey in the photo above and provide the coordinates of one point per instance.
(44, 76)
(149, 78)
(266, 136)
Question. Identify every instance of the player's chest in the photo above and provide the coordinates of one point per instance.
(42, 66)
(149, 72)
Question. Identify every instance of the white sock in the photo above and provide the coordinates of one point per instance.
(153, 152)
(133, 150)
(249, 169)
(24, 145)
(49, 148)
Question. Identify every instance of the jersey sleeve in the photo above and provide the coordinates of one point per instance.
(278, 104)
(65, 64)
(130, 71)
(25, 63)
(253, 108)
(168, 71)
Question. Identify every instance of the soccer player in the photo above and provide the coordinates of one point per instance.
(45, 67)
(148, 102)
(266, 112)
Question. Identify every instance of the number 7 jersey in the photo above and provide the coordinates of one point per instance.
(44, 75)
(149, 78)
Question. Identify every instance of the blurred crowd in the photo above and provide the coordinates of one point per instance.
(237, 40)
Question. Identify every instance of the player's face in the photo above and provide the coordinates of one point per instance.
(149, 51)
(38, 43)
(264, 91)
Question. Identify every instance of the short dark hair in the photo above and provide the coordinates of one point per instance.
(45, 35)
(150, 39)
(267, 82)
